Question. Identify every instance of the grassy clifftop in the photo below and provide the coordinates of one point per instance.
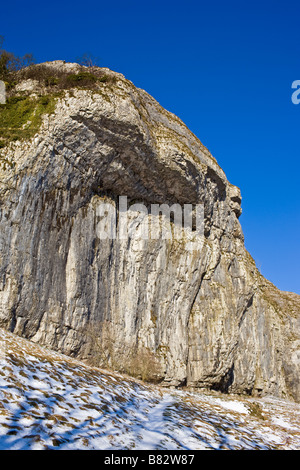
(33, 91)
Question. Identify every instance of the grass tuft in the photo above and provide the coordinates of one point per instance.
(21, 116)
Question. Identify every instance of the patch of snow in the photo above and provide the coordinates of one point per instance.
(233, 406)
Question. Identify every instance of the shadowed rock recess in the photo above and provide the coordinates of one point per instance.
(211, 319)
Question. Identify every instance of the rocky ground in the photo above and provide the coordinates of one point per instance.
(50, 401)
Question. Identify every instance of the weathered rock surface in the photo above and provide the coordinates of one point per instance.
(210, 317)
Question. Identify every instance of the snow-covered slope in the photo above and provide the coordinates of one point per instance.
(50, 401)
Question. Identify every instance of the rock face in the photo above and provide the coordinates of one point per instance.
(208, 315)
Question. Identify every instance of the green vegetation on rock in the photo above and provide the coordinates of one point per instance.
(21, 116)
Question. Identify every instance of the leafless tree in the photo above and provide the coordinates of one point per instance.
(136, 361)
(88, 60)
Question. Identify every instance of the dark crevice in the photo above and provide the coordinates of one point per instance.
(226, 381)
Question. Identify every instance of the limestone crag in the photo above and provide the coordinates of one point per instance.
(207, 314)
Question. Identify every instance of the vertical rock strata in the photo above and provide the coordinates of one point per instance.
(209, 316)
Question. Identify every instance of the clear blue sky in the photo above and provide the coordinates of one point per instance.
(224, 67)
